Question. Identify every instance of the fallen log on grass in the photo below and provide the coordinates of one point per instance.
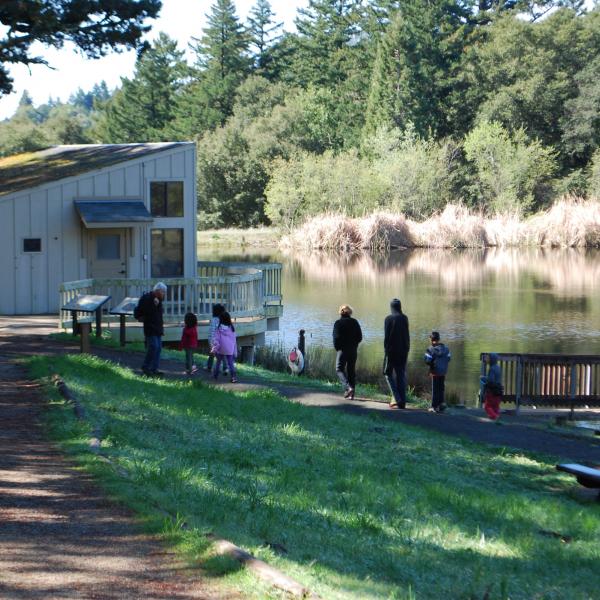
(267, 573)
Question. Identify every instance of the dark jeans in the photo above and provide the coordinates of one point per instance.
(224, 358)
(189, 359)
(153, 348)
(394, 369)
(210, 362)
(437, 391)
(345, 367)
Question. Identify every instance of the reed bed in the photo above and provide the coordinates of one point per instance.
(571, 222)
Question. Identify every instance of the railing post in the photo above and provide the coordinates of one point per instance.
(482, 358)
(572, 391)
(519, 384)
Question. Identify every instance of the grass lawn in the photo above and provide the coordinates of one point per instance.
(247, 372)
(352, 507)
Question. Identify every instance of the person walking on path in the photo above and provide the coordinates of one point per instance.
(217, 311)
(437, 357)
(189, 342)
(492, 388)
(396, 345)
(150, 311)
(347, 335)
(225, 346)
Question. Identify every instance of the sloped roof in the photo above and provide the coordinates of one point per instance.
(32, 169)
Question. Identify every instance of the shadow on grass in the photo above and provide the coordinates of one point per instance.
(355, 505)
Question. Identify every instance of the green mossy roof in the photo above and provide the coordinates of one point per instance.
(31, 169)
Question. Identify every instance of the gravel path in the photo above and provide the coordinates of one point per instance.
(60, 537)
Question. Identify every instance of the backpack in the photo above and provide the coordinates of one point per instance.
(138, 311)
(441, 359)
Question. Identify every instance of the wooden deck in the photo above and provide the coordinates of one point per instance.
(250, 292)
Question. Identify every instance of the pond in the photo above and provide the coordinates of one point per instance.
(501, 300)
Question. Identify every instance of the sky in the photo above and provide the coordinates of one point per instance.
(180, 19)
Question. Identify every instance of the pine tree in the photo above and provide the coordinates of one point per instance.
(413, 75)
(264, 32)
(327, 38)
(144, 106)
(222, 59)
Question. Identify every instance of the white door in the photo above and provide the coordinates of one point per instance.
(107, 253)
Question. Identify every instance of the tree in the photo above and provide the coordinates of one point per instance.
(526, 72)
(512, 172)
(22, 132)
(327, 30)
(264, 32)
(94, 26)
(221, 59)
(143, 108)
(414, 72)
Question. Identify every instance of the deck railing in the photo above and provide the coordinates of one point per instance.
(244, 289)
(271, 275)
(552, 380)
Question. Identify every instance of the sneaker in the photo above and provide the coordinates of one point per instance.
(431, 409)
(146, 372)
(393, 405)
(233, 380)
(158, 374)
(441, 408)
(194, 369)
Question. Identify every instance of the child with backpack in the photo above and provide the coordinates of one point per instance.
(224, 345)
(437, 357)
(493, 389)
(189, 341)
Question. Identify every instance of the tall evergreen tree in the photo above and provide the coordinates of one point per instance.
(413, 75)
(144, 106)
(264, 32)
(327, 36)
(222, 61)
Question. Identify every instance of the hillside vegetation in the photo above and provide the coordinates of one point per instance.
(368, 105)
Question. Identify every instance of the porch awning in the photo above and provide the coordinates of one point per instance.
(97, 214)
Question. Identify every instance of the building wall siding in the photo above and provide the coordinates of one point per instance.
(48, 213)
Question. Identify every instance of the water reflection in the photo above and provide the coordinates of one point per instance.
(504, 300)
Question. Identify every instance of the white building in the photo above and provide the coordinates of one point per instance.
(94, 211)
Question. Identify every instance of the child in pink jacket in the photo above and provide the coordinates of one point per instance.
(224, 345)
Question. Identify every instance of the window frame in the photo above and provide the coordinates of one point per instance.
(25, 239)
(165, 199)
(182, 269)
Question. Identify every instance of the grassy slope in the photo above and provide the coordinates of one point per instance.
(366, 508)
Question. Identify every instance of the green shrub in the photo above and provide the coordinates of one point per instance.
(512, 173)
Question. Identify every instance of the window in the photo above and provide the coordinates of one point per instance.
(166, 198)
(32, 245)
(108, 247)
(167, 252)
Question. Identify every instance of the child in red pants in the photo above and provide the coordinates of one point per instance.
(492, 388)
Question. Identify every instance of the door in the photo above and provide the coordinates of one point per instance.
(107, 253)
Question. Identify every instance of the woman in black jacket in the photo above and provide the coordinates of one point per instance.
(347, 335)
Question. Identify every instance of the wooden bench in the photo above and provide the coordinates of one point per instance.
(587, 476)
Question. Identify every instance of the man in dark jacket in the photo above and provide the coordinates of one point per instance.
(150, 311)
(396, 345)
(347, 335)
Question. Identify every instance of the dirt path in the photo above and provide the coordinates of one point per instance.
(59, 535)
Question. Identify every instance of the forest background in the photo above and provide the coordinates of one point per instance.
(369, 105)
